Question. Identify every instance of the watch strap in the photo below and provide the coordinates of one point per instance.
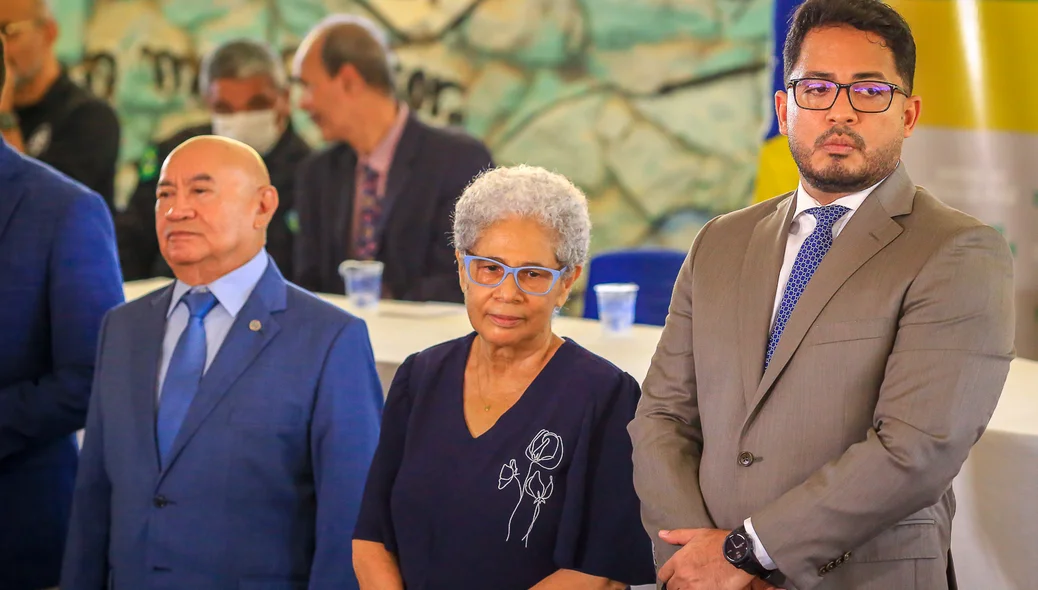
(750, 565)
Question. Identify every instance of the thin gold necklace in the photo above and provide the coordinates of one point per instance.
(486, 405)
(480, 386)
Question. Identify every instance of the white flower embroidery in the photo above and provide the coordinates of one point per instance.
(545, 451)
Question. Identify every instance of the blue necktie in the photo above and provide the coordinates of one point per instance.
(811, 253)
(184, 372)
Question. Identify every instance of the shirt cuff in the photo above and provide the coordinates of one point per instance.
(758, 548)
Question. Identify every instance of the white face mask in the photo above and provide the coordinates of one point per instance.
(256, 129)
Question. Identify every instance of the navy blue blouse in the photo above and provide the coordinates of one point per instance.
(548, 487)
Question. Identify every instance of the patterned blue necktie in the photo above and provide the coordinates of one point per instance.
(184, 373)
(811, 253)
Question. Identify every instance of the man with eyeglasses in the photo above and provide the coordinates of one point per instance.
(831, 355)
(43, 113)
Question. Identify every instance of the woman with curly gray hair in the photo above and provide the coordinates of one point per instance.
(504, 460)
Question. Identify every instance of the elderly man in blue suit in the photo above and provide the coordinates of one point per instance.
(59, 274)
(234, 415)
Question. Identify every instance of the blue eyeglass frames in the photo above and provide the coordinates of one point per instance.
(532, 280)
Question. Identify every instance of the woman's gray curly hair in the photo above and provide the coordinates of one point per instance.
(531, 192)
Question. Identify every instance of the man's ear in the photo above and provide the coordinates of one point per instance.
(267, 205)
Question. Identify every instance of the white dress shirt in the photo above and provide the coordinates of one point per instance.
(231, 290)
(800, 228)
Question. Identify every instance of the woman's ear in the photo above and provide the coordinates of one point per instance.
(568, 280)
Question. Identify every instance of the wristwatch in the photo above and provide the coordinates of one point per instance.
(738, 550)
(8, 121)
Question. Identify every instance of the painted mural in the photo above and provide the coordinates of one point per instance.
(654, 107)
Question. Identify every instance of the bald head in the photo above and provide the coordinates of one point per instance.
(226, 155)
(213, 206)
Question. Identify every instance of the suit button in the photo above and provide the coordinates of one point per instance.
(746, 458)
(160, 502)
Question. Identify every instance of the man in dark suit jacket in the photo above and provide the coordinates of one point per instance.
(58, 276)
(234, 415)
(244, 85)
(386, 188)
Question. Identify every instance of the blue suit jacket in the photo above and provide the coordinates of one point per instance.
(265, 478)
(59, 274)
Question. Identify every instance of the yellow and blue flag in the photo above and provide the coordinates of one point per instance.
(776, 171)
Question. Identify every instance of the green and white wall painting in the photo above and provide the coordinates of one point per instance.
(654, 107)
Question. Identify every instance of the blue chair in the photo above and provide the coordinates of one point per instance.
(654, 271)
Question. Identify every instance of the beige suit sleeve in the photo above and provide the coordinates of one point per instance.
(942, 382)
(666, 430)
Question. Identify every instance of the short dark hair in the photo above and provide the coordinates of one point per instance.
(242, 58)
(353, 43)
(871, 16)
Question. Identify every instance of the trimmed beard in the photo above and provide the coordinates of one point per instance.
(835, 178)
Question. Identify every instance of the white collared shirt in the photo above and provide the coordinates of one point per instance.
(231, 290)
(802, 226)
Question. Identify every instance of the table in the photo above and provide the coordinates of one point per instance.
(995, 532)
(400, 328)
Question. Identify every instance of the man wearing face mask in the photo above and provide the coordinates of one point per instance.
(244, 86)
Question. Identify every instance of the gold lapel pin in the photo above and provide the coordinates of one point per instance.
(255, 325)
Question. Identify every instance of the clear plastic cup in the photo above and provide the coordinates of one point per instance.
(616, 306)
(363, 282)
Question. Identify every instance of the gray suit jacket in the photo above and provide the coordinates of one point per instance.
(844, 450)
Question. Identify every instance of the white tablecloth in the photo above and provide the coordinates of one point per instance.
(995, 533)
(399, 329)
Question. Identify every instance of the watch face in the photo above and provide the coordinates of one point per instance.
(736, 548)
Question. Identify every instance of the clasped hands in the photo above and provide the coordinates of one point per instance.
(700, 563)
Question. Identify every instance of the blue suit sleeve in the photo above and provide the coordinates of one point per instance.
(85, 282)
(375, 522)
(344, 436)
(85, 565)
(600, 533)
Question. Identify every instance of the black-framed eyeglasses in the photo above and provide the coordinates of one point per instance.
(532, 280)
(866, 96)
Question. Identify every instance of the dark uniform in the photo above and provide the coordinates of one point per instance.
(135, 227)
(76, 133)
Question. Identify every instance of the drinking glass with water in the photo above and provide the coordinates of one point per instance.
(363, 282)
(616, 306)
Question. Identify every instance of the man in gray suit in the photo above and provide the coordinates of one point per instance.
(831, 355)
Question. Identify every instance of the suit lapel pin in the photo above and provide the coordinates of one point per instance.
(255, 325)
